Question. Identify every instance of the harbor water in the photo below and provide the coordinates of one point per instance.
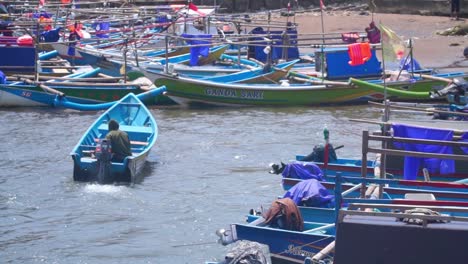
(208, 168)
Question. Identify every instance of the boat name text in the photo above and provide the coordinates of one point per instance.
(298, 251)
(232, 93)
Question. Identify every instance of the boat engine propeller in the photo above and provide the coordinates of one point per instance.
(104, 157)
(457, 88)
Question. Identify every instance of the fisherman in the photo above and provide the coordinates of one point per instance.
(120, 142)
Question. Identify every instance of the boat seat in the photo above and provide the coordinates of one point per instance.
(103, 128)
(133, 142)
(139, 143)
(137, 129)
(88, 153)
(420, 196)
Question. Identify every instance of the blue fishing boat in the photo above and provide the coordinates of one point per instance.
(284, 245)
(114, 66)
(91, 161)
(81, 87)
(252, 75)
(315, 166)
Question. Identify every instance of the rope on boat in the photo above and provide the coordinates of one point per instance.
(419, 221)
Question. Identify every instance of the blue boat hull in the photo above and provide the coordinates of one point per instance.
(133, 118)
(283, 244)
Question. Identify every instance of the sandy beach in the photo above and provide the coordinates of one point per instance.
(430, 49)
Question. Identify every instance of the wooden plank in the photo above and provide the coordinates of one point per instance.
(133, 142)
(141, 143)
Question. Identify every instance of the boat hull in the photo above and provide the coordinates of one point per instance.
(190, 91)
(136, 120)
(284, 244)
(24, 95)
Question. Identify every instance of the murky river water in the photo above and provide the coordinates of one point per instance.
(209, 167)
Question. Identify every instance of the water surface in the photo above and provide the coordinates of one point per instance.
(208, 168)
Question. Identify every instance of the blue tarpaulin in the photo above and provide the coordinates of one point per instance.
(412, 164)
(2, 78)
(102, 26)
(464, 138)
(197, 51)
(302, 170)
(43, 14)
(408, 64)
(52, 35)
(310, 193)
(257, 50)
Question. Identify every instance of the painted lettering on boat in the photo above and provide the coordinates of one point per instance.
(252, 94)
(232, 93)
(298, 251)
(220, 92)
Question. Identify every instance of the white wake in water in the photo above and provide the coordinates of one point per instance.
(110, 189)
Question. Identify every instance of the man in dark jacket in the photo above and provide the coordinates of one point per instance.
(120, 142)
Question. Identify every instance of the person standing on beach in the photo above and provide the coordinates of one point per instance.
(455, 9)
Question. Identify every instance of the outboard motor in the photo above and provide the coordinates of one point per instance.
(318, 154)
(456, 89)
(104, 157)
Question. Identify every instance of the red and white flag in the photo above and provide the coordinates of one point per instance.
(289, 6)
(192, 6)
(41, 3)
(321, 5)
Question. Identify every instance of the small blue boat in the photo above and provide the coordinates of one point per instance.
(284, 245)
(135, 119)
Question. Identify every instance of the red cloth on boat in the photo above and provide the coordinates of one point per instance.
(284, 214)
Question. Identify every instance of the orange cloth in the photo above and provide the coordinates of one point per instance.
(359, 53)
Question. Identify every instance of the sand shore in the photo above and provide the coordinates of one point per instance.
(430, 49)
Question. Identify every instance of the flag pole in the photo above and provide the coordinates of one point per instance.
(323, 42)
(383, 65)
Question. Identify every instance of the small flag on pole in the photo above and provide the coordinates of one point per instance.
(193, 6)
(321, 5)
(289, 6)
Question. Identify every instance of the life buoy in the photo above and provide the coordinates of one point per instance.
(359, 53)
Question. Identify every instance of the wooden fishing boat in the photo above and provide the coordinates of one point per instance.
(393, 192)
(27, 93)
(114, 67)
(80, 88)
(77, 58)
(319, 223)
(188, 91)
(141, 127)
(394, 165)
(284, 245)
(251, 75)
